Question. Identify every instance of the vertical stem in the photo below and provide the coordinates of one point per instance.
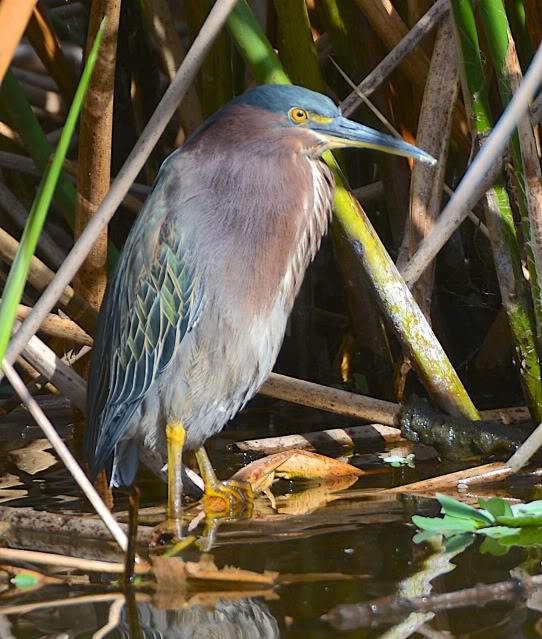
(94, 175)
(499, 216)
(505, 60)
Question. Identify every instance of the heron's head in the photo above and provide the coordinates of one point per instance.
(309, 119)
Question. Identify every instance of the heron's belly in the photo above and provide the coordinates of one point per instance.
(218, 368)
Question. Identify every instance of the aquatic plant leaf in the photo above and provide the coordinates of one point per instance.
(497, 532)
(496, 506)
(523, 515)
(458, 543)
(446, 525)
(459, 510)
(531, 507)
(521, 521)
(425, 535)
(524, 537)
(491, 546)
(397, 461)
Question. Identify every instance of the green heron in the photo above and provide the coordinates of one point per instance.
(195, 313)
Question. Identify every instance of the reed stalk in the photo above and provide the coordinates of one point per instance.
(499, 216)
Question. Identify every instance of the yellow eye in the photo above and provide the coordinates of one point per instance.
(298, 115)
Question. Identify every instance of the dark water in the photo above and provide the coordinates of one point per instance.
(330, 547)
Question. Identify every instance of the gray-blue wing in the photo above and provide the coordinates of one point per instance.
(152, 302)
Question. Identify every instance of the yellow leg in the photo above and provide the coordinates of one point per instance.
(223, 498)
(175, 436)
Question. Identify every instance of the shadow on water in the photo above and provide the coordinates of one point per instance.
(330, 548)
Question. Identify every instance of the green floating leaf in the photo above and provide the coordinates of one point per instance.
(397, 461)
(524, 537)
(25, 580)
(498, 532)
(533, 506)
(459, 510)
(521, 521)
(445, 525)
(496, 506)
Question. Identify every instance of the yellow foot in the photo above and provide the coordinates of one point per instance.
(229, 499)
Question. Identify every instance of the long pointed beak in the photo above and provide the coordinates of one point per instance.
(342, 132)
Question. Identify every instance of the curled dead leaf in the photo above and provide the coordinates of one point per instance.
(294, 464)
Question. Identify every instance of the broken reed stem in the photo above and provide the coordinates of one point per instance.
(479, 474)
(526, 450)
(65, 455)
(56, 326)
(62, 376)
(332, 400)
(356, 437)
(132, 166)
(480, 175)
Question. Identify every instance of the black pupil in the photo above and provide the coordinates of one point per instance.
(300, 114)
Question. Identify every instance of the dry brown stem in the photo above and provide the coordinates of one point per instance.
(433, 136)
(44, 41)
(56, 326)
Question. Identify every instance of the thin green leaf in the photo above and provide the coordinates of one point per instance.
(15, 284)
